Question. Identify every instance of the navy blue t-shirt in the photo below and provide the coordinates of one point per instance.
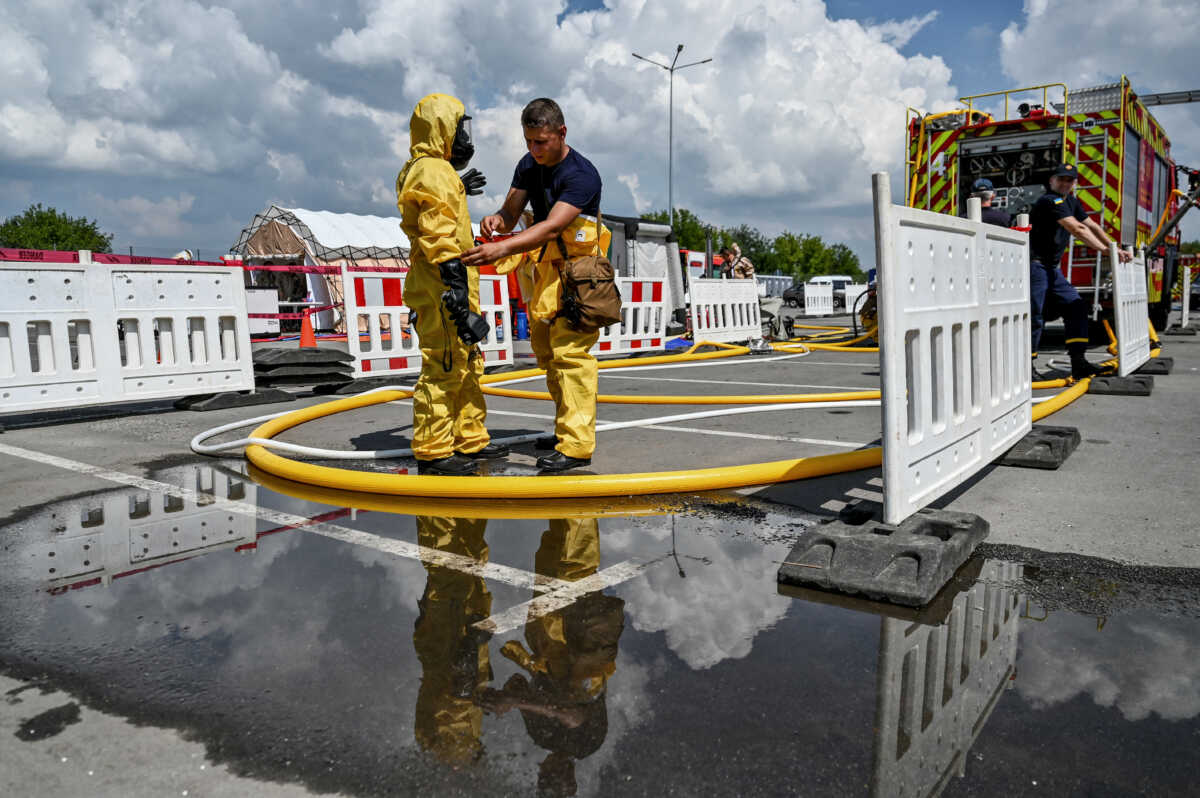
(572, 180)
(1048, 239)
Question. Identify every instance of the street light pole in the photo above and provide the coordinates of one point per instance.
(671, 70)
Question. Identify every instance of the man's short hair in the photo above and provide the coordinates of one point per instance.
(542, 112)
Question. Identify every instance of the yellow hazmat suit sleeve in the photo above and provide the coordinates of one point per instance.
(449, 413)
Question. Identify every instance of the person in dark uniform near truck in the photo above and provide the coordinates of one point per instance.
(1056, 218)
(986, 192)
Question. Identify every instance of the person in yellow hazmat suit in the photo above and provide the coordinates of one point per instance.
(455, 665)
(572, 654)
(563, 189)
(449, 433)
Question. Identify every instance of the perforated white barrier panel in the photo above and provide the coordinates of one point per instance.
(390, 346)
(853, 292)
(818, 299)
(87, 333)
(773, 284)
(1131, 311)
(954, 348)
(725, 310)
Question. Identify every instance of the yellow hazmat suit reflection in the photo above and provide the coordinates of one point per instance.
(449, 412)
(571, 372)
(571, 656)
(454, 657)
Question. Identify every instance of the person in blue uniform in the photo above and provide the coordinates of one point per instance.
(1056, 218)
(986, 192)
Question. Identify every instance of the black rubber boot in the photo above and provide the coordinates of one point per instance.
(546, 443)
(558, 461)
(456, 465)
(1081, 369)
(493, 451)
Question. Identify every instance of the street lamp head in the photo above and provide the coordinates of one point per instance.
(679, 48)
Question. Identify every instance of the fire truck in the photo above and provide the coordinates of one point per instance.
(1015, 138)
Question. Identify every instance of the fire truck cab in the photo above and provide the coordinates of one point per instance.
(1016, 137)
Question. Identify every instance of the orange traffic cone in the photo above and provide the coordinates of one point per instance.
(308, 340)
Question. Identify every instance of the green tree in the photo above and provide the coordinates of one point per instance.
(689, 228)
(846, 262)
(1190, 247)
(46, 228)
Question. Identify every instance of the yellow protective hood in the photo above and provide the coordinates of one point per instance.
(431, 130)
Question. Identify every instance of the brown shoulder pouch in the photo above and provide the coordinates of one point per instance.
(591, 299)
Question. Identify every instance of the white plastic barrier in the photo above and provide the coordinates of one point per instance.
(87, 333)
(725, 310)
(774, 284)
(392, 347)
(1131, 311)
(818, 299)
(263, 300)
(954, 348)
(853, 292)
(1185, 310)
(937, 685)
(643, 325)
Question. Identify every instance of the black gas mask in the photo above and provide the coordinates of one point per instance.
(462, 149)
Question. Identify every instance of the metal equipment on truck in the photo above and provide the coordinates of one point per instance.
(1127, 177)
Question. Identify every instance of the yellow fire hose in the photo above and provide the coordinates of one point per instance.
(567, 486)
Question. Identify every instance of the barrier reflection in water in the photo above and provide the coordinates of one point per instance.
(115, 533)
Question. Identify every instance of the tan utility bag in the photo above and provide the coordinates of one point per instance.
(591, 299)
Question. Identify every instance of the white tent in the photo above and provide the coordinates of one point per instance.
(647, 249)
(322, 238)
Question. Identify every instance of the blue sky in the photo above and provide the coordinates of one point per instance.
(172, 123)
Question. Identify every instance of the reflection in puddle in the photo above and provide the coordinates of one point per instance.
(582, 654)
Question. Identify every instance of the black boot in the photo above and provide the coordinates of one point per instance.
(456, 465)
(493, 451)
(1082, 369)
(558, 461)
(546, 443)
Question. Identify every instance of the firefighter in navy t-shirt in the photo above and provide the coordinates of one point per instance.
(986, 192)
(1056, 218)
(563, 189)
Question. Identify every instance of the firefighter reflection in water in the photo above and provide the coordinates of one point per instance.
(571, 655)
(454, 656)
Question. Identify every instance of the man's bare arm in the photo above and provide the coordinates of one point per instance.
(505, 219)
(531, 238)
(1084, 233)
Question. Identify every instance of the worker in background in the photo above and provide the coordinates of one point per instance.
(1056, 218)
(449, 433)
(986, 192)
(563, 189)
(738, 265)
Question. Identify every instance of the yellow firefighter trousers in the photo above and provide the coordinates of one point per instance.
(572, 380)
(449, 412)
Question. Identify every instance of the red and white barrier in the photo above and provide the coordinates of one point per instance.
(643, 325)
(392, 347)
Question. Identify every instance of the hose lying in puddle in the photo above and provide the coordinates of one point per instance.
(565, 485)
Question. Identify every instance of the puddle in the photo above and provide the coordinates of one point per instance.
(637, 647)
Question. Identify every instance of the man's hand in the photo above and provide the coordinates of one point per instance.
(485, 253)
(492, 224)
(1124, 255)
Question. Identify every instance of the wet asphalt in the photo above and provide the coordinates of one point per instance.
(197, 630)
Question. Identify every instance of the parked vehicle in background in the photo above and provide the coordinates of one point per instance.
(794, 297)
(839, 281)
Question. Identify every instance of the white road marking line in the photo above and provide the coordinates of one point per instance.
(833, 505)
(740, 382)
(517, 616)
(859, 364)
(757, 436)
(868, 495)
(400, 548)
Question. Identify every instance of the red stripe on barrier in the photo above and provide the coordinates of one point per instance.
(366, 365)
(656, 294)
(636, 344)
(636, 293)
(360, 292)
(398, 362)
(656, 342)
(392, 293)
(605, 346)
(39, 255)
